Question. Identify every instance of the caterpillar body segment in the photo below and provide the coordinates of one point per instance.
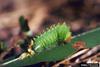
(63, 32)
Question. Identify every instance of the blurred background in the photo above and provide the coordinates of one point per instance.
(81, 15)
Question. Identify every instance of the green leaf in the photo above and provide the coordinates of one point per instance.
(91, 38)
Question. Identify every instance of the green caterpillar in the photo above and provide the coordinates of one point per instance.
(49, 39)
(54, 36)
